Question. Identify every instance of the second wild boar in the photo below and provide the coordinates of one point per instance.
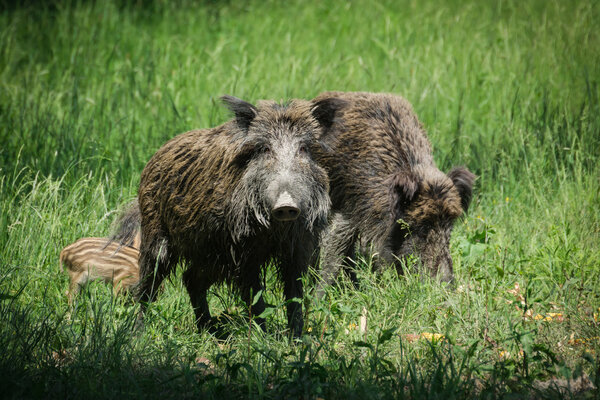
(386, 190)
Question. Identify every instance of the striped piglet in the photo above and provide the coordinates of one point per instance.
(94, 258)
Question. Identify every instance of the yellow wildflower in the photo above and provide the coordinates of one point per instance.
(553, 316)
(582, 341)
(432, 336)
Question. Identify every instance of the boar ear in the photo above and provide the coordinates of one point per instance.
(463, 181)
(326, 110)
(404, 189)
(244, 112)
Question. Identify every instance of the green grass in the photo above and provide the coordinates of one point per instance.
(88, 92)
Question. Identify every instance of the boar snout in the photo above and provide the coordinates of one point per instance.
(285, 208)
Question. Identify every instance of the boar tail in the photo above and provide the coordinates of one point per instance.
(128, 231)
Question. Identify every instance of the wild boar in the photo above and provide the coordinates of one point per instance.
(227, 201)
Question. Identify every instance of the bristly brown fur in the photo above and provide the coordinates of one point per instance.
(381, 170)
(206, 199)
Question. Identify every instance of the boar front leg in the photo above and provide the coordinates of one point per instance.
(338, 248)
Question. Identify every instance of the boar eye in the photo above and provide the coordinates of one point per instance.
(264, 150)
(303, 149)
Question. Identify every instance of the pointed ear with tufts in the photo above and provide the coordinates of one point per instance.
(404, 189)
(244, 112)
(463, 181)
(326, 110)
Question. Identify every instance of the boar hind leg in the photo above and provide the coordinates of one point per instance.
(300, 257)
(197, 288)
(156, 262)
(292, 289)
(249, 289)
(337, 251)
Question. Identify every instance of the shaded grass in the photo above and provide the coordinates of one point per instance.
(90, 90)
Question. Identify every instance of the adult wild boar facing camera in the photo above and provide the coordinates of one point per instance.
(228, 200)
(386, 190)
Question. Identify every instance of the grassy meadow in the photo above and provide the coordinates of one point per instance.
(90, 90)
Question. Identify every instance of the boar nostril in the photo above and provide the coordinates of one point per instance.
(286, 213)
(285, 208)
